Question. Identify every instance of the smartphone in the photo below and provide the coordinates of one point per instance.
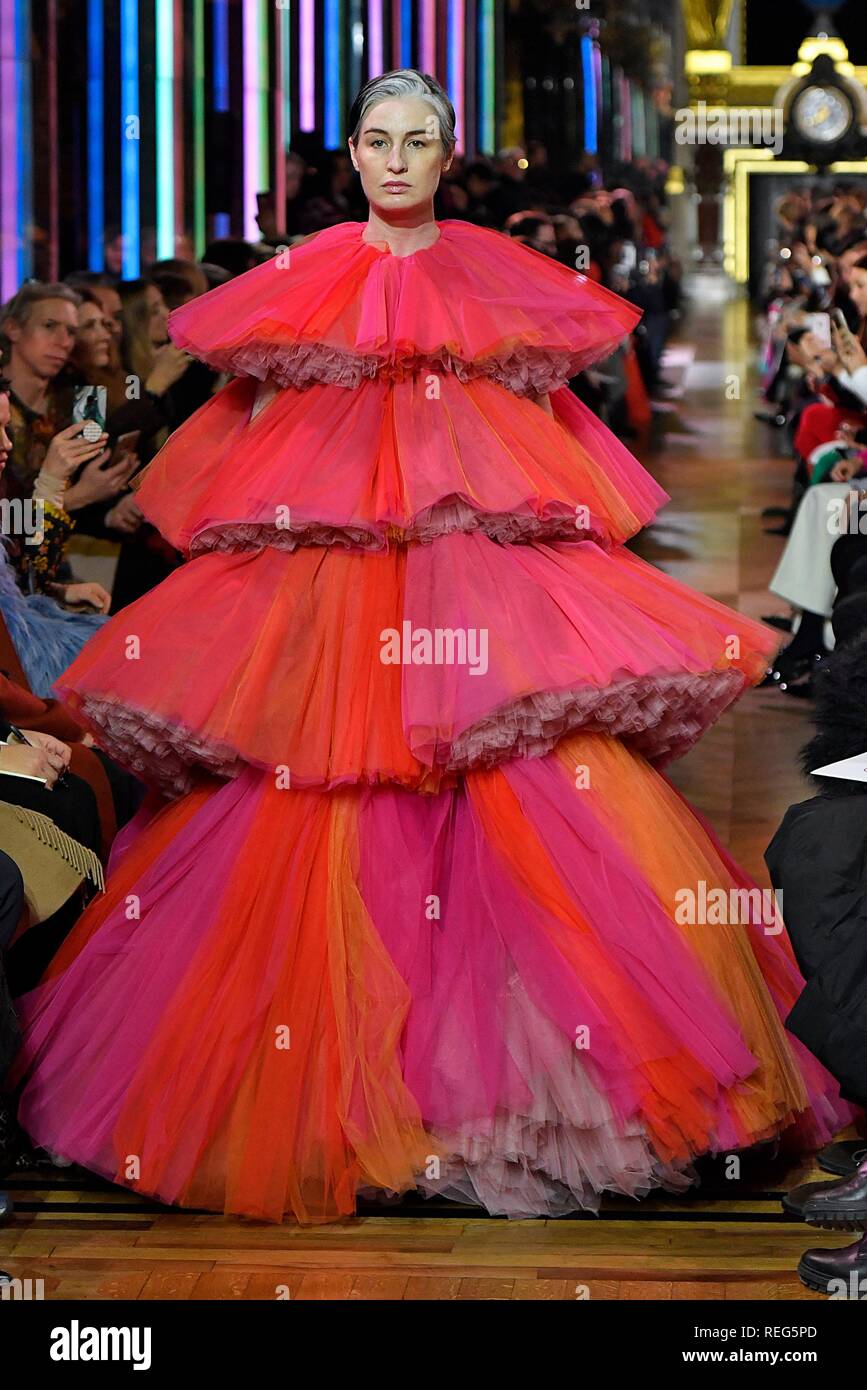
(820, 325)
(89, 406)
(840, 321)
(123, 445)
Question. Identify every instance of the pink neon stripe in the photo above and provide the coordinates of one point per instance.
(279, 181)
(8, 152)
(307, 65)
(428, 37)
(456, 45)
(375, 63)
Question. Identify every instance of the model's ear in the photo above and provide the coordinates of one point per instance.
(352, 155)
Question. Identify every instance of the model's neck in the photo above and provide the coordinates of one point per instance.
(403, 232)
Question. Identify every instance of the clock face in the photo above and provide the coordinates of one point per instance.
(822, 114)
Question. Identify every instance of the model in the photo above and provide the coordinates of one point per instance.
(419, 910)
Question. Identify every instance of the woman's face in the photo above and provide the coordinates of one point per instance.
(858, 290)
(158, 317)
(399, 156)
(112, 310)
(93, 343)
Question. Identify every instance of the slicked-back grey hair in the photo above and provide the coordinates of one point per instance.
(405, 82)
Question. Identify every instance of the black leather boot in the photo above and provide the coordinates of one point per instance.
(838, 1273)
(842, 1158)
(836, 1206)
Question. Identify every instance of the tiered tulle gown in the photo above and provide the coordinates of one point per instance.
(408, 917)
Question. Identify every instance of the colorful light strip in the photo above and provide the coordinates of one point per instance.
(455, 65)
(404, 54)
(333, 75)
(164, 28)
(221, 54)
(427, 36)
(375, 49)
(487, 77)
(10, 230)
(130, 142)
(95, 136)
(307, 66)
(588, 67)
(198, 95)
(51, 119)
(221, 86)
(597, 77)
(282, 119)
(25, 141)
(626, 112)
(639, 144)
(285, 41)
(257, 173)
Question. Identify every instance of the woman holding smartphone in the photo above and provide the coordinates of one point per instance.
(804, 577)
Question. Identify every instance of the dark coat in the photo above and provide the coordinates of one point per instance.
(818, 858)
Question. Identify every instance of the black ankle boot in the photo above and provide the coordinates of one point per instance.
(838, 1273)
(836, 1206)
(842, 1158)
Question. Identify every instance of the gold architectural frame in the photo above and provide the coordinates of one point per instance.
(739, 164)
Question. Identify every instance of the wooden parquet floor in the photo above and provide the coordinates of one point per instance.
(725, 1241)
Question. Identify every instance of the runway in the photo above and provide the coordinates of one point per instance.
(728, 1239)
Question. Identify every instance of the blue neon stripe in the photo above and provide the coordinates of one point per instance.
(95, 136)
(331, 64)
(221, 55)
(129, 148)
(25, 140)
(591, 138)
(406, 34)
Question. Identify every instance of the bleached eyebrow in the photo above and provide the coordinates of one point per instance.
(377, 130)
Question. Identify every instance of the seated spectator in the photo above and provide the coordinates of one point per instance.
(533, 230)
(818, 860)
(47, 631)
